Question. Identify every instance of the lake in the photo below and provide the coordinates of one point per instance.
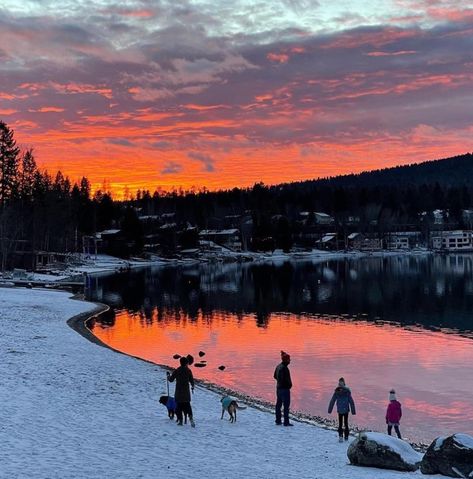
(403, 322)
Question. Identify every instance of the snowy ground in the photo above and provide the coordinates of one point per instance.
(72, 409)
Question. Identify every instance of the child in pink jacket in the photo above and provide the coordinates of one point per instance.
(393, 414)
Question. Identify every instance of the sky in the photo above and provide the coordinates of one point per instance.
(193, 94)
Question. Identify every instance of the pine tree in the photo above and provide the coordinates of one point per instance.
(28, 173)
(8, 164)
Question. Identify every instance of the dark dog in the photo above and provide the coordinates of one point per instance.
(230, 405)
(171, 406)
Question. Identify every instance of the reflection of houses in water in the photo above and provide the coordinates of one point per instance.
(409, 289)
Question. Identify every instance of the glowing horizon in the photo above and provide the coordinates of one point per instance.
(157, 95)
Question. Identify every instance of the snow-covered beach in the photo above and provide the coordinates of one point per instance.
(73, 409)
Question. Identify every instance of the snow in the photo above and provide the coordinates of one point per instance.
(73, 409)
(464, 440)
(438, 443)
(403, 448)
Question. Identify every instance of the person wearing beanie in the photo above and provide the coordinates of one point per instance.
(393, 414)
(282, 375)
(342, 396)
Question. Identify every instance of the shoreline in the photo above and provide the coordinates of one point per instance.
(78, 323)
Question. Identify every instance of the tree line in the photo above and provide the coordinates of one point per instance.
(47, 212)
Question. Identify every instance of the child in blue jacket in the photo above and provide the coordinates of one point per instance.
(345, 404)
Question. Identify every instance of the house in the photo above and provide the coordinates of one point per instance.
(316, 217)
(109, 241)
(359, 241)
(458, 240)
(435, 217)
(229, 238)
(403, 240)
(323, 218)
(467, 218)
(328, 241)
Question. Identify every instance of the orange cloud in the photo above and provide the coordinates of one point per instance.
(278, 57)
(8, 111)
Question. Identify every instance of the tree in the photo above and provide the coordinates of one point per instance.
(8, 164)
(27, 176)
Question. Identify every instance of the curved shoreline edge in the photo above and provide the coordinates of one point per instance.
(79, 324)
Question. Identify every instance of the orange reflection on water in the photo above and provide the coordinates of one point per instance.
(428, 370)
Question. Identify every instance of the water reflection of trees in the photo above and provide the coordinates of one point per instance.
(427, 290)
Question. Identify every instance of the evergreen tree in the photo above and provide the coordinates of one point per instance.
(8, 164)
(27, 176)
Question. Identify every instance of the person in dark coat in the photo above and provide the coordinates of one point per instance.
(183, 376)
(282, 376)
(345, 403)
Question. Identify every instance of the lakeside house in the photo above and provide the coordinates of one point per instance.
(329, 241)
(316, 217)
(458, 240)
(403, 240)
(228, 238)
(361, 242)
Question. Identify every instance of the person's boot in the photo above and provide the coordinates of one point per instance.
(340, 438)
(192, 422)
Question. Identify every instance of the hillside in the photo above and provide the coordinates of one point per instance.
(447, 172)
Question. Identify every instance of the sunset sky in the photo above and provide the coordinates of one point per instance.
(212, 93)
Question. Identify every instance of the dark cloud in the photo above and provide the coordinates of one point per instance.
(121, 142)
(206, 160)
(171, 168)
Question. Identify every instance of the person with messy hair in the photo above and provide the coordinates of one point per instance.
(345, 404)
(183, 377)
(282, 375)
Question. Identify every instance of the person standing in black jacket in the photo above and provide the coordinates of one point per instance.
(183, 376)
(282, 375)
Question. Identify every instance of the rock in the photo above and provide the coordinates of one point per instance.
(201, 353)
(190, 359)
(200, 365)
(176, 356)
(222, 368)
(451, 456)
(374, 449)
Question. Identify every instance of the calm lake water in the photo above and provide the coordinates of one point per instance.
(402, 321)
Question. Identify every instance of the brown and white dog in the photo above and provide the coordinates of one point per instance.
(230, 405)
